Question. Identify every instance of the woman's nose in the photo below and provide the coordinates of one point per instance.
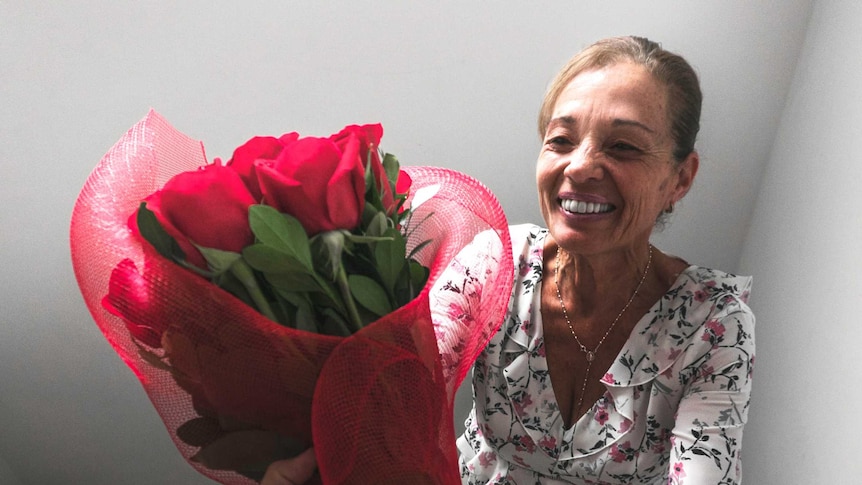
(584, 164)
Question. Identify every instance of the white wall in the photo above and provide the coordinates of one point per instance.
(456, 83)
(805, 248)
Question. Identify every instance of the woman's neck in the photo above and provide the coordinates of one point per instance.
(598, 283)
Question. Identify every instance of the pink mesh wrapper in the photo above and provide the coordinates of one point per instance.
(238, 389)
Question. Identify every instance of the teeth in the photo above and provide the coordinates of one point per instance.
(581, 207)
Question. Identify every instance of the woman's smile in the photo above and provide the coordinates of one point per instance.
(581, 207)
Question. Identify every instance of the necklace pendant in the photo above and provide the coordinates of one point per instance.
(591, 354)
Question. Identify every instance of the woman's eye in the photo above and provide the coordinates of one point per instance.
(557, 142)
(621, 146)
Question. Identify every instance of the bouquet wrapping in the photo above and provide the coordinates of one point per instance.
(237, 390)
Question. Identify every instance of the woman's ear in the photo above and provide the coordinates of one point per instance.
(686, 171)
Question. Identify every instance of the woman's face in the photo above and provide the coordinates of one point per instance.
(605, 170)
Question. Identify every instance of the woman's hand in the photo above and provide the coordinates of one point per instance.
(293, 471)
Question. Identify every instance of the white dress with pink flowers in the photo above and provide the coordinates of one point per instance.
(677, 394)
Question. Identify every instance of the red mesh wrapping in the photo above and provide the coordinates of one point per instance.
(375, 405)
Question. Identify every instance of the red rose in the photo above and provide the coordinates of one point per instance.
(319, 182)
(258, 148)
(129, 298)
(207, 207)
(369, 138)
(402, 186)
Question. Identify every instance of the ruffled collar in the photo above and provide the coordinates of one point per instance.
(656, 342)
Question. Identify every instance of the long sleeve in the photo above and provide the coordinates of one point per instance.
(707, 436)
(461, 325)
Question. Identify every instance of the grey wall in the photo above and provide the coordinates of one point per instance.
(7, 476)
(455, 83)
(805, 246)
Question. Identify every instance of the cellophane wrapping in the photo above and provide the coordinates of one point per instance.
(237, 388)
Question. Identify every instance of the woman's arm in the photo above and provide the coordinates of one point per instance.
(459, 300)
(707, 437)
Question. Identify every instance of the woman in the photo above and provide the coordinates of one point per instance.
(617, 363)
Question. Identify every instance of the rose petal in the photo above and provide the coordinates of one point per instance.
(315, 182)
(207, 207)
(257, 148)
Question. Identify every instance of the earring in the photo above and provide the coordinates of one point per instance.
(669, 209)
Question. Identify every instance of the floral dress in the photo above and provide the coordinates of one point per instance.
(676, 401)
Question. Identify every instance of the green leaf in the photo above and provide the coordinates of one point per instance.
(378, 225)
(390, 258)
(327, 298)
(286, 283)
(368, 214)
(220, 261)
(391, 167)
(305, 320)
(151, 230)
(309, 287)
(418, 248)
(303, 317)
(372, 190)
(334, 324)
(246, 275)
(410, 283)
(269, 259)
(418, 277)
(281, 231)
(369, 294)
(230, 283)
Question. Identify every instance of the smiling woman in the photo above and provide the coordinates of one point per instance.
(633, 366)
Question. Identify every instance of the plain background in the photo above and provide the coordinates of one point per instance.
(455, 84)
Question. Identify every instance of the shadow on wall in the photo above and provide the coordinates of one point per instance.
(6, 475)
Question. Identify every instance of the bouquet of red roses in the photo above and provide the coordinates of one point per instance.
(281, 300)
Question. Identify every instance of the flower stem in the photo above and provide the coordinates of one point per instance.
(352, 312)
(245, 275)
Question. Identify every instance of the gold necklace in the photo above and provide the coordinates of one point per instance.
(591, 354)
